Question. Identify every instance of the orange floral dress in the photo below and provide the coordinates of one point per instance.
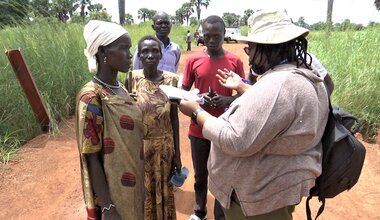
(158, 144)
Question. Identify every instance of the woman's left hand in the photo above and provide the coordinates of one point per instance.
(176, 163)
(187, 107)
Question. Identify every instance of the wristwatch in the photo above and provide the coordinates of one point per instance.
(194, 114)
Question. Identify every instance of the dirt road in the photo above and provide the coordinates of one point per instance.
(44, 181)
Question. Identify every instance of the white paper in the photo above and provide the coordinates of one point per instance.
(175, 93)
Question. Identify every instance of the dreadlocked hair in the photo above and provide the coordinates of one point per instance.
(290, 52)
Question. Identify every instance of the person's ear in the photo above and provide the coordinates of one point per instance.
(101, 50)
(153, 27)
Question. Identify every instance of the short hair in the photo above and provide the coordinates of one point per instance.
(148, 37)
(160, 14)
(212, 19)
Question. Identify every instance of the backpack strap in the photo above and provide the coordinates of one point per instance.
(320, 210)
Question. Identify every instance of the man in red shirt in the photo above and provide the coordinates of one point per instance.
(201, 70)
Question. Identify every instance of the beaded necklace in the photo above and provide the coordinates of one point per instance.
(108, 86)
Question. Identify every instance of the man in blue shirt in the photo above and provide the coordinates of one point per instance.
(170, 50)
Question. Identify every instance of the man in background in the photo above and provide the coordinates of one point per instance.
(171, 53)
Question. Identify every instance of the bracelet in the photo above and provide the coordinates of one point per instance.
(108, 208)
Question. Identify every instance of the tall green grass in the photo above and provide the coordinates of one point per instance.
(352, 59)
(54, 53)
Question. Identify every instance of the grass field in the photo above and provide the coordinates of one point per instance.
(54, 53)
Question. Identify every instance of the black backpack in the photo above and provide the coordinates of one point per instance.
(342, 159)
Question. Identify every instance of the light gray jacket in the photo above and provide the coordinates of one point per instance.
(267, 145)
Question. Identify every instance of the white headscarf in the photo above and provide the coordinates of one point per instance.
(99, 33)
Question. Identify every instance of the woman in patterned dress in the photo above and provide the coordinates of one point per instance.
(161, 130)
(109, 129)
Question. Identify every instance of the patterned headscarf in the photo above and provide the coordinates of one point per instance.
(99, 33)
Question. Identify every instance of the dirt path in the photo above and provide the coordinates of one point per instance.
(44, 181)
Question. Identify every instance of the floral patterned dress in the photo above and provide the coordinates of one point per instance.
(112, 126)
(158, 144)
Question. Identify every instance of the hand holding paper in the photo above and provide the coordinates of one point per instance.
(174, 93)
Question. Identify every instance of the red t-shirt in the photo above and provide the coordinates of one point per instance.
(201, 70)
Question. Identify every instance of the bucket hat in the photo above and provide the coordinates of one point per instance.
(271, 27)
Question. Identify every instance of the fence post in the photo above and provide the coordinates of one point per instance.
(24, 76)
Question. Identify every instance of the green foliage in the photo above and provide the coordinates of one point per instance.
(145, 14)
(13, 12)
(231, 19)
(197, 5)
(247, 14)
(352, 59)
(54, 54)
(193, 21)
(187, 10)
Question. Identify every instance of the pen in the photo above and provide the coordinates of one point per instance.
(244, 80)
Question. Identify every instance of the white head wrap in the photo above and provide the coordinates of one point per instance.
(99, 33)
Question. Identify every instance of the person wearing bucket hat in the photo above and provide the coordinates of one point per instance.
(200, 70)
(266, 148)
(109, 128)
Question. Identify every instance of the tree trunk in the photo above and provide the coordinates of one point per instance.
(329, 15)
(199, 14)
(121, 12)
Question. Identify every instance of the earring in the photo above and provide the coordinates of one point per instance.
(105, 60)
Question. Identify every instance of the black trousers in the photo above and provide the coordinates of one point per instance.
(189, 46)
(200, 150)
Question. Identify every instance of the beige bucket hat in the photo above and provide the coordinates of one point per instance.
(271, 27)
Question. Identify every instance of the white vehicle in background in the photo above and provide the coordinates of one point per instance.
(231, 34)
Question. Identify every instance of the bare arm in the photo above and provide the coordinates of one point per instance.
(176, 163)
(99, 185)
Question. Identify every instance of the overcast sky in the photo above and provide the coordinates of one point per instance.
(358, 11)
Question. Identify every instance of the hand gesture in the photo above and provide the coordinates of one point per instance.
(229, 79)
(207, 97)
(220, 101)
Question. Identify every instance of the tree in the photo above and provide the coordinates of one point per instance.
(193, 21)
(101, 15)
(377, 4)
(247, 14)
(145, 14)
(121, 11)
(179, 15)
(301, 22)
(198, 4)
(231, 19)
(41, 8)
(129, 18)
(142, 14)
(96, 8)
(187, 10)
(330, 4)
(318, 26)
(64, 9)
(83, 4)
(13, 11)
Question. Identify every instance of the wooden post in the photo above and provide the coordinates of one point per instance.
(24, 76)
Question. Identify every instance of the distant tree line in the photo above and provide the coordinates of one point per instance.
(14, 11)
(344, 26)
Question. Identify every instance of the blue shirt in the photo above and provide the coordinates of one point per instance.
(169, 61)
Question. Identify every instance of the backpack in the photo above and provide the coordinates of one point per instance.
(342, 158)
